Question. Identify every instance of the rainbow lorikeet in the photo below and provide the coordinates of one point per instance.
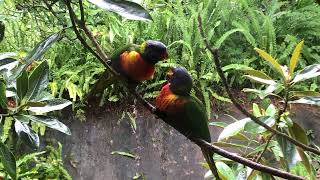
(184, 112)
(135, 62)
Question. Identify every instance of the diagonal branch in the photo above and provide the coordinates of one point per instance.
(201, 143)
(215, 53)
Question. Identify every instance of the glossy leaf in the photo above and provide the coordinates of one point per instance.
(305, 161)
(51, 105)
(38, 81)
(218, 124)
(271, 60)
(233, 129)
(127, 9)
(307, 73)
(26, 134)
(8, 161)
(50, 122)
(295, 57)
(6, 58)
(123, 154)
(304, 93)
(289, 151)
(224, 171)
(271, 110)
(3, 97)
(270, 90)
(261, 80)
(41, 48)
(258, 74)
(308, 100)
(256, 110)
(298, 133)
(255, 128)
(22, 85)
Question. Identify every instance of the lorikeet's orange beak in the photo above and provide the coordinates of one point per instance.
(164, 56)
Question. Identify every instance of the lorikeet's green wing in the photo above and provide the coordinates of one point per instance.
(196, 119)
(105, 79)
(198, 122)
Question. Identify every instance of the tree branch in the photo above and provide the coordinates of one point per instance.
(201, 143)
(215, 54)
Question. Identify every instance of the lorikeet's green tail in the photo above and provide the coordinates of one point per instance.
(208, 155)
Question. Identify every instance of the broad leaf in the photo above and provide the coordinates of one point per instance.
(298, 133)
(26, 134)
(272, 89)
(255, 128)
(256, 110)
(22, 85)
(304, 93)
(271, 60)
(258, 74)
(289, 151)
(233, 129)
(295, 57)
(38, 81)
(218, 124)
(225, 172)
(308, 100)
(8, 161)
(307, 73)
(6, 58)
(3, 97)
(305, 161)
(50, 122)
(41, 48)
(261, 80)
(230, 145)
(127, 9)
(126, 154)
(51, 105)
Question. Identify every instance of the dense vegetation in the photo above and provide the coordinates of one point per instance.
(283, 29)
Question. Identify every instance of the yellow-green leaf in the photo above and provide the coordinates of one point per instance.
(257, 73)
(305, 93)
(271, 60)
(295, 57)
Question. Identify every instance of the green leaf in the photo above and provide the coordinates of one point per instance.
(41, 48)
(305, 161)
(271, 60)
(261, 80)
(233, 129)
(271, 110)
(256, 110)
(308, 100)
(22, 85)
(51, 105)
(304, 93)
(26, 134)
(307, 73)
(3, 97)
(126, 9)
(255, 128)
(258, 74)
(6, 58)
(50, 122)
(236, 67)
(8, 161)
(123, 154)
(38, 81)
(218, 124)
(295, 57)
(298, 133)
(230, 145)
(225, 172)
(225, 36)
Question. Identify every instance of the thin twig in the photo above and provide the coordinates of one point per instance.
(152, 109)
(216, 58)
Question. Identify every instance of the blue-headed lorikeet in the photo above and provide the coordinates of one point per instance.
(135, 62)
(184, 112)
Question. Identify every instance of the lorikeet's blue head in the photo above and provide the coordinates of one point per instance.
(154, 51)
(180, 81)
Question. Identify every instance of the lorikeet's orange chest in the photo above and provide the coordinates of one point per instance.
(169, 102)
(135, 67)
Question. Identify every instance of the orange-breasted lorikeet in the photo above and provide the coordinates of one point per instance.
(184, 112)
(135, 62)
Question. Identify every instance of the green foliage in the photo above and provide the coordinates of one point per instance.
(277, 151)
